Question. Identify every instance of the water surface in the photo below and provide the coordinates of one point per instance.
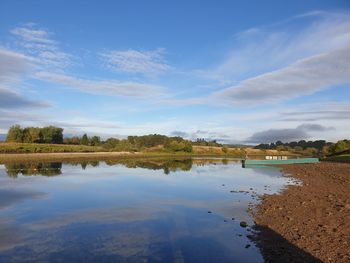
(184, 210)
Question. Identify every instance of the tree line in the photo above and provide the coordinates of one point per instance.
(54, 135)
(139, 143)
(320, 147)
(49, 134)
(203, 142)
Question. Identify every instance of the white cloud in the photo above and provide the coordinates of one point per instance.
(38, 43)
(304, 77)
(328, 114)
(282, 61)
(50, 64)
(12, 66)
(264, 49)
(136, 61)
(106, 87)
(30, 34)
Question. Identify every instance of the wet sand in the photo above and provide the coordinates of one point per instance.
(308, 222)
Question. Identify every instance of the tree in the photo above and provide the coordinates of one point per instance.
(177, 146)
(279, 143)
(72, 140)
(15, 134)
(32, 135)
(111, 143)
(84, 140)
(280, 147)
(298, 149)
(52, 134)
(340, 146)
(95, 140)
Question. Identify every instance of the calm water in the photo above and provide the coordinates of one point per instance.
(130, 211)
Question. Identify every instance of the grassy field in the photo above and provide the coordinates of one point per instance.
(23, 152)
(344, 158)
(46, 148)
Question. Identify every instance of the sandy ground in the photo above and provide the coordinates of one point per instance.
(308, 222)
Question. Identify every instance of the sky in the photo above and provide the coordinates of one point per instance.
(233, 71)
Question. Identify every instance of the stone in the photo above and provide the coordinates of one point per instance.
(243, 224)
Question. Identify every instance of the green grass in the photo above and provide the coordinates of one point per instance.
(67, 148)
(344, 158)
(46, 148)
(18, 152)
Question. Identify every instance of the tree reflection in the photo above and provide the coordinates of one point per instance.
(54, 168)
(28, 169)
(167, 165)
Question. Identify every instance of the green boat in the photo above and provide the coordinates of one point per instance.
(285, 161)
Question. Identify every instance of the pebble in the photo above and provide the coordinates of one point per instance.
(243, 224)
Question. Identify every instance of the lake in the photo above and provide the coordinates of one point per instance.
(151, 210)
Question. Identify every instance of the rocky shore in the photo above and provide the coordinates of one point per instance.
(308, 222)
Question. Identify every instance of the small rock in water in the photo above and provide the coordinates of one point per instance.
(247, 246)
(233, 218)
(243, 224)
(209, 212)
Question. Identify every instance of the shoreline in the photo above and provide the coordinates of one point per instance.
(76, 156)
(309, 222)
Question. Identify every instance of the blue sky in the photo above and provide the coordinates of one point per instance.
(248, 71)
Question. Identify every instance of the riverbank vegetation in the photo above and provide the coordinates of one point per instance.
(319, 148)
(342, 158)
(51, 139)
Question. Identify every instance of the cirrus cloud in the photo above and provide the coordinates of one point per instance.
(38, 43)
(304, 77)
(106, 87)
(281, 62)
(136, 61)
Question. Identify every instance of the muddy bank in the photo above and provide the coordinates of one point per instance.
(308, 223)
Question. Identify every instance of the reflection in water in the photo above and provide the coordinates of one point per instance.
(46, 169)
(50, 169)
(167, 165)
(107, 212)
